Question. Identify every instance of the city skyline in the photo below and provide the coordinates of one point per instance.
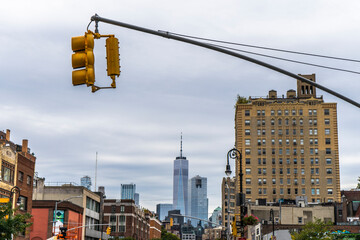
(165, 87)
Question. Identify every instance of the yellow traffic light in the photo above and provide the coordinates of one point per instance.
(108, 230)
(112, 56)
(233, 228)
(83, 57)
(171, 222)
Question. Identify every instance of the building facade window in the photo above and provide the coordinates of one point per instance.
(21, 176)
(7, 172)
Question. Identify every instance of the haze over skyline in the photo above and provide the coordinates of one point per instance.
(165, 87)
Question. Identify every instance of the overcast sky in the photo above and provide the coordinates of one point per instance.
(166, 87)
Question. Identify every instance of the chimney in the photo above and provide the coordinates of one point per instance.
(7, 134)
(24, 147)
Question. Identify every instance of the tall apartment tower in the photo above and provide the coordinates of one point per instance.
(162, 210)
(198, 201)
(180, 183)
(228, 200)
(289, 146)
(128, 191)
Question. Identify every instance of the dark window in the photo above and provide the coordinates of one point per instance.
(327, 141)
(113, 208)
(247, 112)
(328, 150)
(326, 112)
(28, 180)
(23, 203)
(21, 176)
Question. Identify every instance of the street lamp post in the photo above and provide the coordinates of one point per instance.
(236, 154)
(272, 220)
(56, 205)
(228, 212)
(13, 192)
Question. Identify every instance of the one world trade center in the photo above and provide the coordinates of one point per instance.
(180, 187)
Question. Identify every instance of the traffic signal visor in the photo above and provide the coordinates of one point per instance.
(83, 57)
(108, 230)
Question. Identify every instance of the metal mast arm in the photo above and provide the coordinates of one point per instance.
(97, 19)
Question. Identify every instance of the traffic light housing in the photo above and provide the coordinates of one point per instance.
(112, 56)
(108, 230)
(83, 57)
(233, 228)
(62, 234)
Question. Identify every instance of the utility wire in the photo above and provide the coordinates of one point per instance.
(289, 60)
(267, 48)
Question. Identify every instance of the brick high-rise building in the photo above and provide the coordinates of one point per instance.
(228, 207)
(289, 146)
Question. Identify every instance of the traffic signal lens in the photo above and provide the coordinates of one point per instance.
(84, 76)
(81, 59)
(82, 42)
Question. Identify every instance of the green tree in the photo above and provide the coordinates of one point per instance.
(168, 236)
(318, 230)
(10, 223)
(358, 186)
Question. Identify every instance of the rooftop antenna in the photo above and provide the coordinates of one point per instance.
(181, 146)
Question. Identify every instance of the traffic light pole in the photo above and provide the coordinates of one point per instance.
(165, 34)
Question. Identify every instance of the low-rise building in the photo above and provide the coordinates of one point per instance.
(78, 195)
(17, 174)
(126, 219)
(69, 214)
(213, 233)
(155, 228)
(348, 211)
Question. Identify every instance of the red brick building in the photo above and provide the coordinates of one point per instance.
(17, 170)
(155, 228)
(128, 220)
(42, 211)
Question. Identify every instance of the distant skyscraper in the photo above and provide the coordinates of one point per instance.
(198, 200)
(137, 199)
(180, 181)
(128, 191)
(162, 210)
(86, 182)
(216, 216)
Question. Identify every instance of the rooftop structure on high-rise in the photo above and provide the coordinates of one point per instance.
(180, 183)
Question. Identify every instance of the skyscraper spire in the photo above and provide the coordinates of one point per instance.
(181, 146)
